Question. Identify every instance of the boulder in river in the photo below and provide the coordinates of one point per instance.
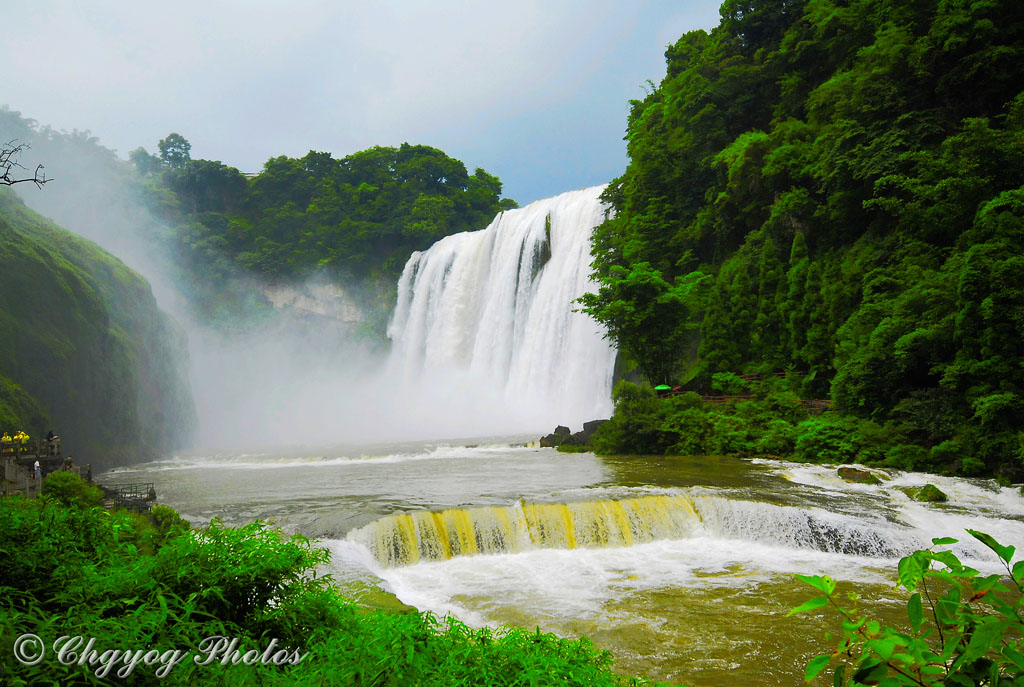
(556, 438)
(858, 476)
(562, 436)
(929, 493)
(583, 438)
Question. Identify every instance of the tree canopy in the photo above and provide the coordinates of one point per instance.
(360, 215)
(850, 177)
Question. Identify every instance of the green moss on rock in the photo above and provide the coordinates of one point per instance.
(858, 476)
(929, 493)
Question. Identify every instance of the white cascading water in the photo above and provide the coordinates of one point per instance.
(486, 320)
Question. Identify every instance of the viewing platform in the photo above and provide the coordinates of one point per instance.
(19, 475)
(19, 460)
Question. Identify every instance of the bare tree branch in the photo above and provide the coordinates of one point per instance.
(9, 153)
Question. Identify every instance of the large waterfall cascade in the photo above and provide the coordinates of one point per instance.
(491, 314)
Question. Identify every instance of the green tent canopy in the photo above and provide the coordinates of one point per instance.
(663, 387)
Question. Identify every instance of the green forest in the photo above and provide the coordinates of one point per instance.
(355, 219)
(216, 230)
(831, 190)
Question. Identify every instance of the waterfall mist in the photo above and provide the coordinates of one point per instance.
(484, 338)
(283, 375)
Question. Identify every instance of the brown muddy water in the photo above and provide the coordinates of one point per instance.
(682, 567)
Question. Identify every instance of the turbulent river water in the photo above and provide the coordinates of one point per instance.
(682, 567)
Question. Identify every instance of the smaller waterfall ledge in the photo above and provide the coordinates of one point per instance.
(484, 323)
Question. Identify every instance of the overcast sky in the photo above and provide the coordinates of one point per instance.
(536, 92)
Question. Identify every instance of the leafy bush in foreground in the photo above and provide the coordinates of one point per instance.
(965, 629)
(137, 582)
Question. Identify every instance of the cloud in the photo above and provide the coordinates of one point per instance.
(536, 92)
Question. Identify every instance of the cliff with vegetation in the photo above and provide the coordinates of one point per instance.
(84, 350)
(834, 189)
(353, 220)
(221, 237)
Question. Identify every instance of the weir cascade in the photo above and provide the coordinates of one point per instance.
(421, 536)
(494, 311)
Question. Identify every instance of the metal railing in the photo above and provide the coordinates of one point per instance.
(32, 447)
(138, 496)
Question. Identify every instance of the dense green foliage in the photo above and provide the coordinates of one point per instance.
(84, 348)
(136, 582)
(214, 232)
(851, 177)
(358, 216)
(769, 419)
(18, 409)
(773, 422)
(71, 490)
(964, 629)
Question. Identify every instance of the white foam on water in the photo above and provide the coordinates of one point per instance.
(577, 583)
(270, 461)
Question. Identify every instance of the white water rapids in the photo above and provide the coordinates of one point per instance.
(682, 566)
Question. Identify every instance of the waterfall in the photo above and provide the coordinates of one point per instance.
(485, 320)
(409, 538)
(419, 536)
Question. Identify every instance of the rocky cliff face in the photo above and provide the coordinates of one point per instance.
(84, 340)
(317, 300)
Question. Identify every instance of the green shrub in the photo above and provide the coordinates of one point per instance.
(730, 434)
(71, 490)
(828, 439)
(729, 383)
(635, 426)
(906, 456)
(79, 572)
(965, 629)
(167, 522)
(778, 439)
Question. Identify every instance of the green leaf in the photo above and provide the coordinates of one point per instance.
(944, 541)
(1004, 552)
(820, 582)
(883, 647)
(810, 605)
(815, 666)
(871, 671)
(1015, 657)
(1018, 572)
(911, 569)
(985, 636)
(837, 681)
(914, 612)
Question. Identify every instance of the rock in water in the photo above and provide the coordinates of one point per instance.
(858, 476)
(556, 438)
(929, 493)
(583, 438)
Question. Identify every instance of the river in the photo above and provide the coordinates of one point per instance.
(682, 567)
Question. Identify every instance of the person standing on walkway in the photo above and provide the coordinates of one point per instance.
(39, 471)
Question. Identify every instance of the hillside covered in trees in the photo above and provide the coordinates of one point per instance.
(356, 218)
(214, 232)
(84, 348)
(833, 188)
